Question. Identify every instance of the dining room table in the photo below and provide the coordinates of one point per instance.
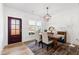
(55, 38)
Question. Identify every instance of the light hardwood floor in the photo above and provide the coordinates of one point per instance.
(29, 48)
(17, 49)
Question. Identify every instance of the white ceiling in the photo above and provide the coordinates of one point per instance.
(40, 8)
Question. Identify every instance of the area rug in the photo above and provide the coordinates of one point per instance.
(63, 49)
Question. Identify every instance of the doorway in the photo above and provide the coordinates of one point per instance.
(14, 30)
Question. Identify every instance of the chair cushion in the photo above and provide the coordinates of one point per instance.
(49, 42)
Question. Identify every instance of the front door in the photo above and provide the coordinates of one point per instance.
(14, 30)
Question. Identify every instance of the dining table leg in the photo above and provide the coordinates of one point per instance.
(55, 43)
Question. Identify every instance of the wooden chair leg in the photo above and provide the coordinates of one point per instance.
(35, 42)
(42, 45)
(47, 47)
(39, 44)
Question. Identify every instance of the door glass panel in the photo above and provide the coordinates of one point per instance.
(12, 26)
(13, 21)
(17, 27)
(13, 32)
(17, 32)
(17, 22)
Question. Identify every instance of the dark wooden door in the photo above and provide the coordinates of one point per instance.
(14, 30)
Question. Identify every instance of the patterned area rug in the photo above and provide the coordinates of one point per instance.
(63, 49)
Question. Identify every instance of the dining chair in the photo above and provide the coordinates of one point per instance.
(37, 38)
(45, 40)
(63, 36)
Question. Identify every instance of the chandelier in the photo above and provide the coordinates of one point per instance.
(47, 16)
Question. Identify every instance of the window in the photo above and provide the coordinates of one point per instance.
(15, 27)
(31, 22)
(39, 26)
(34, 26)
(38, 23)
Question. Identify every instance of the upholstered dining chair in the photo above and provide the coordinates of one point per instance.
(45, 40)
(37, 38)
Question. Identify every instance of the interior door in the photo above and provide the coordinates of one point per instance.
(14, 30)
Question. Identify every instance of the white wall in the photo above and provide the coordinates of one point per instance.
(67, 20)
(25, 19)
(1, 27)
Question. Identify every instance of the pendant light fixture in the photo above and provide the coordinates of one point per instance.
(47, 16)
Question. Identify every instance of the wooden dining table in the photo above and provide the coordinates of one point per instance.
(55, 38)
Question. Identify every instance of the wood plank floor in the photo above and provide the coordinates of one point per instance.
(21, 49)
(17, 49)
